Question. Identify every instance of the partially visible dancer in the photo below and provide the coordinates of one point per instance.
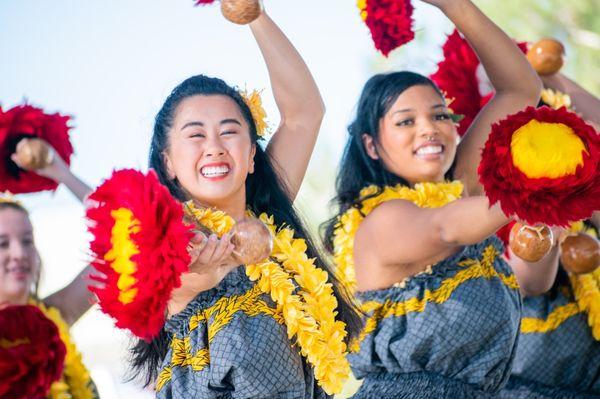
(558, 355)
(20, 270)
(443, 307)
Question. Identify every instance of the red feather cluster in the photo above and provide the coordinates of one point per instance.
(32, 354)
(557, 201)
(457, 77)
(390, 23)
(503, 234)
(25, 121)
(204, 2)
(161, 241)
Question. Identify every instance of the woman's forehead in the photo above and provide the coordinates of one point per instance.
(14, 221)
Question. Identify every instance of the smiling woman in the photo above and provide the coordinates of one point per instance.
(20, 269)
(274, 329)
(442, 306)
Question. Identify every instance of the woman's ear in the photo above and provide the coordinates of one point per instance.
(168, 166)
(251, 163)
(370, 146)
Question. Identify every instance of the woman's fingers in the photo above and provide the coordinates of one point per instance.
(223, 249)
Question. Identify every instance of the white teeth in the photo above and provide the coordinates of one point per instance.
(430, 149)
(212, 171)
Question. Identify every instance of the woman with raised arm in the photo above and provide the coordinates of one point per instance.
(20, 273)
(442, 307)
(227, 336)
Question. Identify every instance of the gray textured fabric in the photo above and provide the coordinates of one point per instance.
(556, 363)
(417, 386)
(250, 357)
(470, 338)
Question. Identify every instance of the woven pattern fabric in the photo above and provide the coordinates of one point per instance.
(230, 342)
(567, 357)
(468, 336)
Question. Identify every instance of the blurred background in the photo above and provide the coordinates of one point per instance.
(110, 64)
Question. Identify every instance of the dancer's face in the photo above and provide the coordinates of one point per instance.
(210, 151)
(19, 259)
(417, 138)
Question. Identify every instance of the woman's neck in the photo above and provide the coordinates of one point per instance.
(234, 206)
(437, 179)
(13, 300)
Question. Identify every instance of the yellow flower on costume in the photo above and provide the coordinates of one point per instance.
(76, 382)
(303, 295)
(424, 195)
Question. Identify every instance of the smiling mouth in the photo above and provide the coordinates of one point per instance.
(19, 271)
(430, 150)
(215, 171)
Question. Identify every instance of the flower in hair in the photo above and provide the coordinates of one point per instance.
(254, 102)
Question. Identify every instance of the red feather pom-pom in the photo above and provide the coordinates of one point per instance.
(390, 22)
(27, 121)
(457, 77)
(140, 244)
(552, 201)
(32, 355)
(204, 2)
(503, 234)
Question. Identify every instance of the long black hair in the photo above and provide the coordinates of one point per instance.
(357, 169)
(265, 192)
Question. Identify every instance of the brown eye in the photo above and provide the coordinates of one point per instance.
(405, 122)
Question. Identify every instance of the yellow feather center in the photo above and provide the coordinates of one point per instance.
(123, 248)
(541, 149)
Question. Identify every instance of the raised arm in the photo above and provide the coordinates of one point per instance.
(74, 299)
(515, 82)
(298, 100)
(584, 102)
(56, 169)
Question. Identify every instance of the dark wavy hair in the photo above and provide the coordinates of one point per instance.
(265, 192)
(357, 169)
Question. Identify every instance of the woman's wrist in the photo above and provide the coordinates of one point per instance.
(455, 9)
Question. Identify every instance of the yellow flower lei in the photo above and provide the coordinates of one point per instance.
(302, 294)
(424, 195)
(75, 382)
(586, 288)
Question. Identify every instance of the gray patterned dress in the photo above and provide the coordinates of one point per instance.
(560, 363)
(451, 333)
(230, 342)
